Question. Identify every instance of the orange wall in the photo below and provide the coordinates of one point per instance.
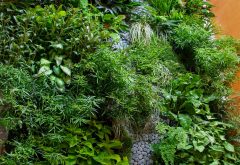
(228, 16)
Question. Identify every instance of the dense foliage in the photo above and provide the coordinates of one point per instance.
(68, 97)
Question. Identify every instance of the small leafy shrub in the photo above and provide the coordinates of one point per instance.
(50, 40)
(164, 7)
(199, 7)
(186, 38)
(195, 137)
(190, 36)
(52, 128)
(212, 61)
(163, 21)
(114, 6)
(228, 42)
(195, 141)
(187, 95)
(127, 79)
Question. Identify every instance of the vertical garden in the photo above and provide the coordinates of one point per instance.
(115, 82)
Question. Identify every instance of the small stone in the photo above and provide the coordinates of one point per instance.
(142, 162)
(134, 157)
(148, 150)
(145, 138)
(140, 157)
(144, 153)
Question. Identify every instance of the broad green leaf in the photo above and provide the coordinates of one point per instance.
(108, 17)
(52, 79)
(230, 156)
(44, 62)
(67, 80)
(61, 89)
(115, 37)
(106, 158)
(85, 151)
(73, 141)
(88, 144)
(59, 82)
(62, 13)
(222, 137)
(124, 161)
(44, 70)
(66, 70)
(198, 147)
(211, 139)
(59, 60)
(185, 121)
(121, 17)
(114, 144)
(56, 70)
(227, 163)
(71, 160)
(215, 162)
(83, 3)
(57, 46)
(217, 148)
(229, 147)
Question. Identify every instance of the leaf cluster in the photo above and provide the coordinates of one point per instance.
(195, 141)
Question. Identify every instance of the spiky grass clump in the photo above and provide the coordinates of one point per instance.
(141, 33)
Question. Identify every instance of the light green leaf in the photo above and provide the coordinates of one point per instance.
(52, 79)
(62, 13)
(198, 147)
(222, 137)
(185, 121)
(85, 151)
(88, 144)
(215, 162)
(44, 70)
(83, 3)
(211, 139)
(66, 70)
(108, 17)
(115, 37)
(217, 148)
(59, 82)
(44, 62)
(124, 161)
(71, 160)
(231, 156)
(67, 80)
(106, 158)
(57, 46)
(56, 70)
(73, 141)
(229, 147)
(59, 60)
(114, 144)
